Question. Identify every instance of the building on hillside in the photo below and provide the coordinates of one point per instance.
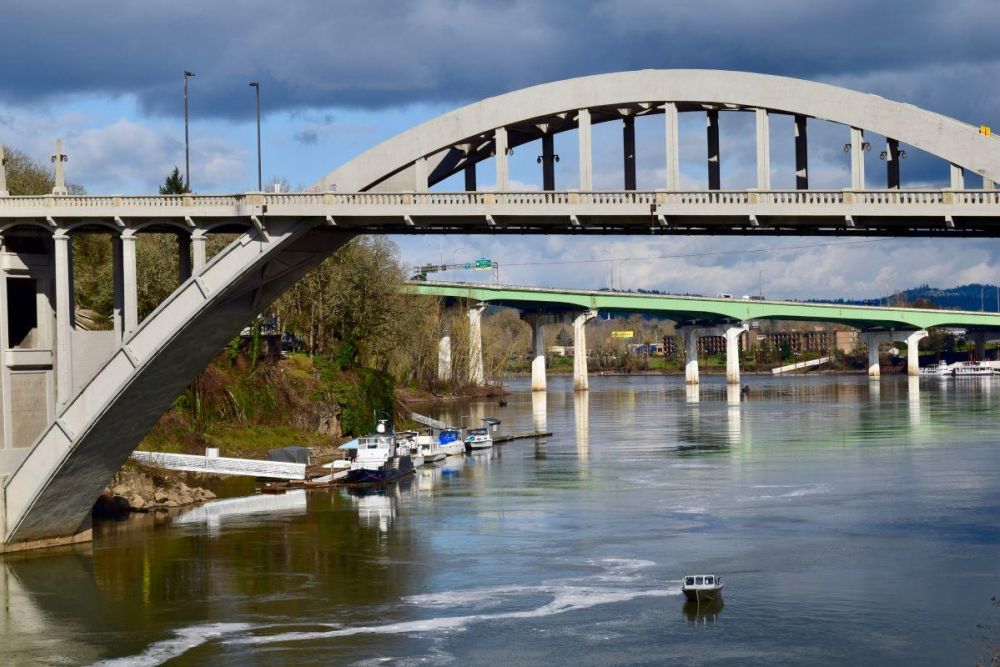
(795, 341)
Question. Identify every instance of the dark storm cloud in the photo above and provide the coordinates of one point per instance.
(382, 53)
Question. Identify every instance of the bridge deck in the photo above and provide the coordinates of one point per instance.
(774, 212)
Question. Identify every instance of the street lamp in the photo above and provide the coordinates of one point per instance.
(187, 150)
(260, 184)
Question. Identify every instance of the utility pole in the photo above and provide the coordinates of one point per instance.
(187, 150)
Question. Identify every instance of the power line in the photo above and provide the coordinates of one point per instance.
(695, 254)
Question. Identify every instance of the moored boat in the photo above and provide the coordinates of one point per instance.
(478, 438)
(430, 449)
(971, 369)
(702, 587)
(942, 369)
(379, 460)
(450, 442)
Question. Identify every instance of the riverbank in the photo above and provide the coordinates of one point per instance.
(140, 489)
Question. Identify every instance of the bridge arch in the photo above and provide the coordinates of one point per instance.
(446, 145)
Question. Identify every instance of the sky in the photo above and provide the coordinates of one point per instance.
(339, 76)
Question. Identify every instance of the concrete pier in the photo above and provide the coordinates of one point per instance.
(732, 335)
(477, 376)
(913, 352)
(581, 381)
(733, 353)
(444, 356)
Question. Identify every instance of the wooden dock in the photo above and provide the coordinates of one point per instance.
(500, 439)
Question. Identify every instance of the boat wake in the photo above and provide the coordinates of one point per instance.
(562, 596)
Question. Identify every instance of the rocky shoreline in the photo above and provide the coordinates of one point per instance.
(144, 490)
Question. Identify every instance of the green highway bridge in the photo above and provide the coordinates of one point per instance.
(696, 316)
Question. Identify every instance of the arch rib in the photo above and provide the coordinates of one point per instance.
(391, 163)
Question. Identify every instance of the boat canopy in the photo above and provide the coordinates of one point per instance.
(353, 444)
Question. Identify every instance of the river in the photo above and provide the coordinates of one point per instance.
(853, 523)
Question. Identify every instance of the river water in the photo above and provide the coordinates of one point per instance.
(853, 523)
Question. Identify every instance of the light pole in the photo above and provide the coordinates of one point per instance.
(187, 151)
(260, 184)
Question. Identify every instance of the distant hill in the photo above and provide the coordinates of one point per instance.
(964, 297)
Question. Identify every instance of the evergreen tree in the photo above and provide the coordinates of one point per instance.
(174, 184)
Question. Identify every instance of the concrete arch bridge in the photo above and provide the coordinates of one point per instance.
(696, 317)
(75, 403)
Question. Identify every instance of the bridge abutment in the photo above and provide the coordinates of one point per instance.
(733, 353)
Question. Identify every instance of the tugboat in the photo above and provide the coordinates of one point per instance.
(378, 460)
(702, 588)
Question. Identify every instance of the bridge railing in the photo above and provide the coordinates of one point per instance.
(233, 205)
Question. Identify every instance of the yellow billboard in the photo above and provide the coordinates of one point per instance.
(622, 334)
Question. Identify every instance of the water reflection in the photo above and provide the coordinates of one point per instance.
(692, 393)
(703, 612)
(913, 402)
(581, 411)
(376, 506)
(539, 410)
(214, 513)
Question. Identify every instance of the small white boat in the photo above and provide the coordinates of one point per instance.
(702, 587)
(430, 449)
(406, 445)
(450, 442)
(942, 369)
(478, 438)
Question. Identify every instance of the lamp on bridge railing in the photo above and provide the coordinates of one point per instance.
(865, 146)
(542, 157)
(885, 154)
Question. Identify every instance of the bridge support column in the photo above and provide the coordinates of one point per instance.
(733, 353)
(690, 355)
(892, 164)
(581, 381)
(714, 164)
(801, 154)
(198, 251)
(763, 150)
(913, 352)
(538, 353)
(64, 316)
(586, 153)
(3, 177)
(130, 293)
(500, 156)
(444, 356)
(957, 177)
(672, 135)
(872, 340)
(979, 339)
(183, 256)
(476, 375)
(628, 151)
(857, 160)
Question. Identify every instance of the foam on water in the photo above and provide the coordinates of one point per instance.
(565, 595)
(183, 641)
